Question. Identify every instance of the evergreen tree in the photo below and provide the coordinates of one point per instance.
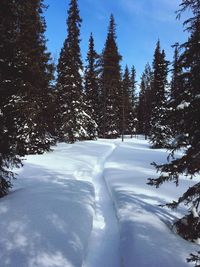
(160, 131)
(8, 158)
(126, 103)
(92, 85)
(110, 100)
(145, 101)
(176, 93)
(73, 121)
(189, 163)
(133, 118)
(34, 73)
(25, 75)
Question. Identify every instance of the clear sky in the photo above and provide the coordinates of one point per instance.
(139, 25)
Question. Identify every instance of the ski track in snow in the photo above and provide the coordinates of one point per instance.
(103, 248)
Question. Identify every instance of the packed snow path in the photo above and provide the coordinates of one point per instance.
(49, 219)
(103, 249)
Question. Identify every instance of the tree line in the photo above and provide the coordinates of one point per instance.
(82, 103)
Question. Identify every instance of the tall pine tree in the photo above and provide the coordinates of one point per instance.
(34, 74)
(110, 100)
(160, 131)
(189, 163)
(176, 94)
(92, 85)
(25, 74)
(145, 101)
(133, 118)
(126, 103)
(73, 121)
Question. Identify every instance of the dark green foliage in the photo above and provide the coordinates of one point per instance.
(92, 85)
(189, 121)
(133, 115)
(110, 86)
(188, 227)
(160, 131)
(73, 121)
(145, 101)
(195, 258)
(126, 104)
(25, 74)
(176, 95)
(34, 73)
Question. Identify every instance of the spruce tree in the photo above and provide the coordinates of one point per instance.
(8, 158)
(73, 121)
(126, 103)
(176, 94)
(133, 118)
(189, 163)
(34, 74)
(25, 75)
(160, 131)
(145, 101)
(110, 100)
(92, 85)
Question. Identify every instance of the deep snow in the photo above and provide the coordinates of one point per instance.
(88, 204)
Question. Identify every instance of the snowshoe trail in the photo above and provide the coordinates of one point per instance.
(103, 248)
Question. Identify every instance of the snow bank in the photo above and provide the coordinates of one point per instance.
(47, 219)
(146, 237)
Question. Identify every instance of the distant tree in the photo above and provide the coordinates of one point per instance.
(160, 131)
(73, 121)
(133, 118)
(110, 86)
(92, 85)
(133, 86)
(145, 101)
(189, 163)
(126, 103)
(176, 94)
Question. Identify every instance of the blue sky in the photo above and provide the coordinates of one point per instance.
(139, 25)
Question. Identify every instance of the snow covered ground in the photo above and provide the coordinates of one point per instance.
(88, 204)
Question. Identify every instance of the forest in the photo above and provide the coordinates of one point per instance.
(44, 103)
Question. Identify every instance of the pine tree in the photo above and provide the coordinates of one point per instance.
(73, 121)
(110, 100)
(176, 94)
(160, 131)
(92, 85)
(34, 74)
(8, 156)
(145, 101)
(189, 163)
(126, 103)
(133, 118)
(25, 74)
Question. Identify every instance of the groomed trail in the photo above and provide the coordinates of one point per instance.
(103, 248)
(89, 205)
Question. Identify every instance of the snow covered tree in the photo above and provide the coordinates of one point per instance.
(160, 131)
(145, 101)
(189, 163)
(133, 118)
(126, 103)
(176, 94)
(25, 74)
(110, 100)
(34, 73)
(73, 121)
(92, 85)
(7, 47)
